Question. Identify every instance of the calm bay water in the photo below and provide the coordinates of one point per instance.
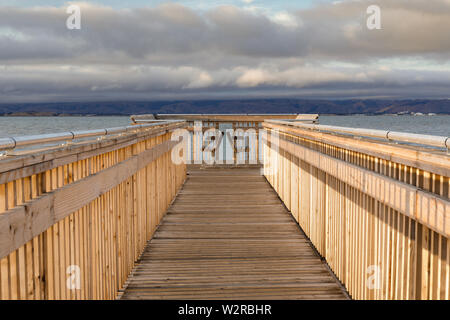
(434, 125)
(20, 126)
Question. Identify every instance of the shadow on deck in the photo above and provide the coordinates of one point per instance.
(228, 236)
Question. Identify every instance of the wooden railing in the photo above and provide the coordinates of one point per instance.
(379, 213)
(75, 218)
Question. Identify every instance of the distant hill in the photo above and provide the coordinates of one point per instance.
(340, 107)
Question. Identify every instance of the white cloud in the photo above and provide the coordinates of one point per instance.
(253, 78)
(286, 19)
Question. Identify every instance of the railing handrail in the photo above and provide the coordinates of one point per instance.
(222, 117)
(217, 114)
(9, 143)
(421, 139)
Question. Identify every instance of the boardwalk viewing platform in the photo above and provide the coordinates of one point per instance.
(228, 236)
(225, 207)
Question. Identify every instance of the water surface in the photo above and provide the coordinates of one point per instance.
(20, 126)
(434, 125)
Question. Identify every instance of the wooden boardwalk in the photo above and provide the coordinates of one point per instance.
(228, 236)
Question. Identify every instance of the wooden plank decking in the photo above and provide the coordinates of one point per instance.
(228, 236)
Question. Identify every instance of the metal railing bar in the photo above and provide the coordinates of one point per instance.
(422, 139)
(9, 143)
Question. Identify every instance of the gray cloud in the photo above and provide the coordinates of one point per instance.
(173, 51)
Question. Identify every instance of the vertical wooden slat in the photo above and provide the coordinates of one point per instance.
(413, 259)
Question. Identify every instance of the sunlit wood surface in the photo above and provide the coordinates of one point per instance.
(228, 236)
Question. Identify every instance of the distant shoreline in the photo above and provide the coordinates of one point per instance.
(62, 115)
(23, 114)
(250, 106)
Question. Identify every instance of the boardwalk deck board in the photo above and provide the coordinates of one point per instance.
(228, 236)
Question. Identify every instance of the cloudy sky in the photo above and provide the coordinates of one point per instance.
(151, 50)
